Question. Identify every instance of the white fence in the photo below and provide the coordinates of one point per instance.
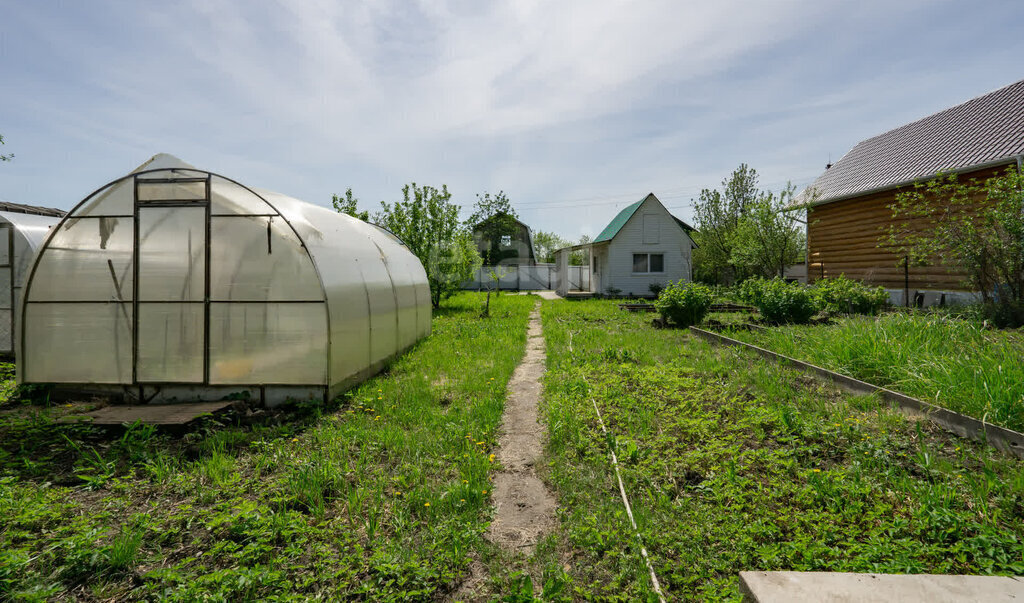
(528, 278)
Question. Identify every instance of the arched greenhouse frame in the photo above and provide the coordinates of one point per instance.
(174, 283)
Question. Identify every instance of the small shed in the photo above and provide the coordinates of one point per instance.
(848, 214)
(643, 246)
(514, 247)
(176, 283)
(22, 230)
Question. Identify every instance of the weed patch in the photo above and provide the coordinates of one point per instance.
(732, 463)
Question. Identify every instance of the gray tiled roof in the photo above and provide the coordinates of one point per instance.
(981, 131)
(31, 209)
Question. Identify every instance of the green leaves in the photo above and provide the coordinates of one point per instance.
(743, 231)
(975, 226)
(683, 303)
(428, 223)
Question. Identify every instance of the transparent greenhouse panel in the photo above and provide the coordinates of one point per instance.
(6, 331)
(383, 314)
(5, 242)
(405, 293)
(182, 171)
(23, 252)
(172, 253)
(350, 326)
(88, 259)
(268, 343)
(228, 198)
(256, 258)
(170, 343)
(77, 343)
(118, 199)
(171, 191)
(425, 308)
(6, 287)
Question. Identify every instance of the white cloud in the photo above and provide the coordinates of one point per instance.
(551, 101)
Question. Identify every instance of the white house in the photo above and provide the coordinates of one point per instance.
(643, 245)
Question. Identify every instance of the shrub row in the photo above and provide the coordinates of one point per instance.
(685, 304)
(782, 302)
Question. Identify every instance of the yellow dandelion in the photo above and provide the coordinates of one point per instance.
(426, 504)
(485, 491)
(479, 443)
(295, 439)
(397, 493)
(491, 458)
(816, 470)
(462, 500)
(376, 418)
(465, 456)
(68, 405)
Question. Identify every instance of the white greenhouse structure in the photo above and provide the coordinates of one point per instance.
(21, 234)
(174, 283)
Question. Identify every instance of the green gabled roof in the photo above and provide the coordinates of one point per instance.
(623, 216)
(618, 222)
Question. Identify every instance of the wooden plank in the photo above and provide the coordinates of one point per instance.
(152, 414)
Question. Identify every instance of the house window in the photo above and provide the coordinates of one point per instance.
(506, 240)
(595, 264)
(648, 263)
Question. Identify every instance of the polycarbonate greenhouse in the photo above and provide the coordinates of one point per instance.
(174, 283)
(20, 235)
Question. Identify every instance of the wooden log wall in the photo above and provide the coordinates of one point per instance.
(849, 237)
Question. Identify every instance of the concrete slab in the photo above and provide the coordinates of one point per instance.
(836, 587)
(549, 295)
(152, 414)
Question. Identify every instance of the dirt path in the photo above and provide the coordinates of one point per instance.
(525, 510)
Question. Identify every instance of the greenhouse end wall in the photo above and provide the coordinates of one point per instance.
(20, 235)
(174, 283)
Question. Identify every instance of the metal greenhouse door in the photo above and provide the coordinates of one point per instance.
(171, 241)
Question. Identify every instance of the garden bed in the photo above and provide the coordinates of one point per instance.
(734, 463)
(950, 362)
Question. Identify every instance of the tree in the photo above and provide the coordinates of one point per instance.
(349, 205)
(580, 257)
(545, 244)
(743, 231)
(2, 156)
(428, 222)
(493, 217)
(976, 226)
(769, 235)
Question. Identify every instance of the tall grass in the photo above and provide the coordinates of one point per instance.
(948, 361)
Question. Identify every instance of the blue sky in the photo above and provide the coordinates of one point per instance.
(573, 108)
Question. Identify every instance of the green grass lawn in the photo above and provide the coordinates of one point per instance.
(731, 464)
(945, 360)
(735, 464)
(381, 495)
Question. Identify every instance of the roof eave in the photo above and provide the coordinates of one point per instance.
(886, 187)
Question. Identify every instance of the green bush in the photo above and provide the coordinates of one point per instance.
(779, 301)
(840, 295)
(684, 303)
(1004, 314)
